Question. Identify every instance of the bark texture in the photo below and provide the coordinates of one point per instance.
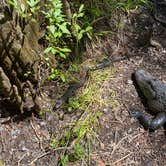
(18, 58)
(67, 9)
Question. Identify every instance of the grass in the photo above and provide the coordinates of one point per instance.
(80, 135)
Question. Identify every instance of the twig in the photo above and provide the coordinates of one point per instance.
(3, 145)
(134, 137)
(116, 146)
(51, 151)
(38, 137)
(39, 157)
(116, 136)
(98, 19)
(122, 158)
(19, 161)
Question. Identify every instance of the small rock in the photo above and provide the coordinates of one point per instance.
(25, 149)
(130, 82)
(43, 123)
(130, 130)
(102, 146)
(105, 110)
(15, 133)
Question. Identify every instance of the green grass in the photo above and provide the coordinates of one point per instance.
(82, 133)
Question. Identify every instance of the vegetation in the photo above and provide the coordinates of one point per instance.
(87, 126)
(65, 32)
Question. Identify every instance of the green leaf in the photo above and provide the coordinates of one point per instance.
(32, 3)
(24, 15)
(47, 59)
(13, 3)
(79, 37)
(51, 77)
(57, 34)
(73, 68)
(22, 8)
(27, 74)
(89, 36)
(65, 50)
(52, 29)
(62, 76)
(48, 49)
(67, 134)
(52, 70)
(81, 8)
(74, 15)
(64, 29)
(54, 51)
(62, 55)
(80, 15)
(89, 28)
(77, 27)
(64, 159)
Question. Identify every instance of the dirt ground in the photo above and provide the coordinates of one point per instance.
(121, 139)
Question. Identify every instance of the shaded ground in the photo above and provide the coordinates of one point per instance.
(121, 140)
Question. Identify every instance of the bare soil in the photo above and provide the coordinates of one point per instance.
(121, 140)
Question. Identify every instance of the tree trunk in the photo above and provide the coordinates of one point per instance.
(67, 9)
(18, 60)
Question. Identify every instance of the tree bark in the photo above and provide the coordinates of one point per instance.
(67, 9)
(18, 59)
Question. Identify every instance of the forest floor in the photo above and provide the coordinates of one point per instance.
(120, 139)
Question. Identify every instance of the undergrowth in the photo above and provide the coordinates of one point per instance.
(78, 139)
(64, 39)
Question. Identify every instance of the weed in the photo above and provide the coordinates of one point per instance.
(77, 154)
(73, 67)
(83, 131)
(105, 16)
(73, 104)
(57, 73)
(132, 4)
(54, 143)
(77, 30)
(63, 36)
(63, 160)
(27, 9)
(57, 29)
